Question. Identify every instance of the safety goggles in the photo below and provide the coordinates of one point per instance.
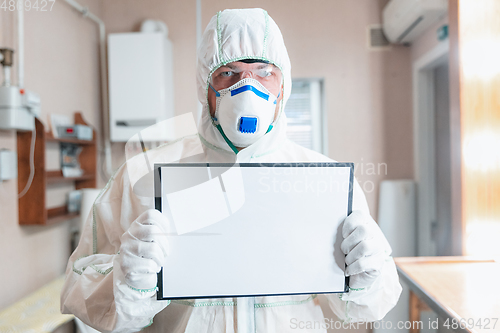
(226, 76)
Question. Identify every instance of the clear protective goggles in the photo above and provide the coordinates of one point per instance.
(267, 74)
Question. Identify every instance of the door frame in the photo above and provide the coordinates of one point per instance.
(424, 143)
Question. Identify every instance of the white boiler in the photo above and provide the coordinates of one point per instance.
(141, 91)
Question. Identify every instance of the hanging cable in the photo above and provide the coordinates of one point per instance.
(32, 164)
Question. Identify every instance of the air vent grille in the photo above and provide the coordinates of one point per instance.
(376, 37)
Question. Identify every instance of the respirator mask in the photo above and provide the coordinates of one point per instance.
(245, 110)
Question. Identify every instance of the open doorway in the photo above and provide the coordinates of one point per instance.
(442, 225)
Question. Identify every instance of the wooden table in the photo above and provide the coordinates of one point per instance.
(38, 312)
(455, 288)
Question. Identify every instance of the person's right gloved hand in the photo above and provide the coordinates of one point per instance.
(143, 249)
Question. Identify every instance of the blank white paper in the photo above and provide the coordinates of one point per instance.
(280, 235)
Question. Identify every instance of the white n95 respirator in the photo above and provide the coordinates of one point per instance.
(244, 112)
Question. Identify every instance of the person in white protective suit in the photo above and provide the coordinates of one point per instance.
(244, 81)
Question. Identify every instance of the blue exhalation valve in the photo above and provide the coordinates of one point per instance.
(248, 124)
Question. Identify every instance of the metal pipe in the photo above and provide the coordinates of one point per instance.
(6, 56)
(104, 80)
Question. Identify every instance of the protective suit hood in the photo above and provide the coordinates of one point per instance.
(233, 35)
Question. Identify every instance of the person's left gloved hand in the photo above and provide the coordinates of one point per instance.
(366, 249)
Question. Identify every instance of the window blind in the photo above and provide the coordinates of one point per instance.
(303, 112)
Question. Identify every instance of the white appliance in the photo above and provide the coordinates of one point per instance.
(141, 91)
(18, 106)
(397, 216)
(405, 20)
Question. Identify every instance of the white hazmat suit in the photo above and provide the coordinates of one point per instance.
(95, 288)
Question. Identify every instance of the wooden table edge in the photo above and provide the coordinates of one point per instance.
(435, 305)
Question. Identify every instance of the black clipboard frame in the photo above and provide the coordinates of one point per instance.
(158, 206)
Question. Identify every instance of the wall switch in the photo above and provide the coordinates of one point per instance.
(8, 164)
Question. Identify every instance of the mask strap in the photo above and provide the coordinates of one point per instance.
(230, 144)
(276, 100)
(270, 128)
(217, 94)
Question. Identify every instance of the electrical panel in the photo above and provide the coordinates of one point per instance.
(8, 164)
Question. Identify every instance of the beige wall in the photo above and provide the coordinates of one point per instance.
(367, 93)
(61, 66)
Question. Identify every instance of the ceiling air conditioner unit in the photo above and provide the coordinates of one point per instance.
(405, 20)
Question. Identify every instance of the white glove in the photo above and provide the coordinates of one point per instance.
(366, 249)
(143, 249)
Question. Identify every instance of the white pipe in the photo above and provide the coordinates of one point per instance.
(104, 80)
(20, 46)
(198, 41)
(6, 76)
(198, 22)
(104, 98)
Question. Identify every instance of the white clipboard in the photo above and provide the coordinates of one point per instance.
(253, 229)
